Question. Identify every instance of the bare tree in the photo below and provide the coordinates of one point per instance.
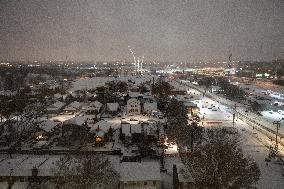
(218, 162)
(86, 171)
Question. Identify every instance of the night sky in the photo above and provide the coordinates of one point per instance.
(173, 30)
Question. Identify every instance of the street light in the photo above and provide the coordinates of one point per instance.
(277, 123)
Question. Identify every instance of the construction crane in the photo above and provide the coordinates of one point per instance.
(229, 67)
(135, 64)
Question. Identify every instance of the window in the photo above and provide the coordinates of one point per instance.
(145, 183)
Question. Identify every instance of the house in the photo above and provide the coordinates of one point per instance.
(55, 108)
(100, 136)
(74, 129)
(133, 106)
(73, 107)
(150, 107)
(150, 129)
(136, 175)
(93, 107)
(59, 96)
(28, 171)
(46, 129)
(20, 172)
(100, 131)
(191, 108)
(112, 108)
(132, 131)
(77, 120)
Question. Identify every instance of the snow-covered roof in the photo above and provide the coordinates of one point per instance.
(8, 93)
(100, 133)
(134, 94)
(133, 101)
(22, 165)
(125, 128)
(93, 106)
(48, 125)
(76, 104)
(56, 106)
(150, 106)
(135, 171)
(78, 120)
(73, 106)
(136, 128)
(113, 107)
(129, 128)
(70, 108)
(102, 124)
(25, 168)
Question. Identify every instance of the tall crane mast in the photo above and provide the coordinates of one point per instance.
(134, 58)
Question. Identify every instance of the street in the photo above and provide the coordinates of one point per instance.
(253, 143)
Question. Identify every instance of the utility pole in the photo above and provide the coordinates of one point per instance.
(277, 123)
(234, 114)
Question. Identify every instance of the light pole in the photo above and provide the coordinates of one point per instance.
(277, 123)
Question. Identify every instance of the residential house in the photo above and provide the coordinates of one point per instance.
(74, 129)
(132, 130)
(150, 107)
(55, 108)
(191, 108)
(46, 129)
(93, 107)
(100, 130)
(136, 175)
(112, 108)
(133, 106)
(73, 107)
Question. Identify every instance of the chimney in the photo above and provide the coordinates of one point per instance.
(34, 172)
